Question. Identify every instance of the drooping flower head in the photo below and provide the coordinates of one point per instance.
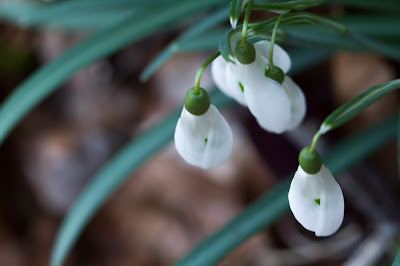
(276, 106)
(205, 139)
(315, 198)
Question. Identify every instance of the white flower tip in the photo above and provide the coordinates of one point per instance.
(233, 22)
(324, 128)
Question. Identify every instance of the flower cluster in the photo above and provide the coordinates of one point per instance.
(277, 107)
(256, 78)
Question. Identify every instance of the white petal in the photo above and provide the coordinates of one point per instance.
(332, 205)
(281, 57)
(234, 73)
(297, 101)
(326, 218)
(218, 73)
(268, 102)
(237, 74)
(190, 138)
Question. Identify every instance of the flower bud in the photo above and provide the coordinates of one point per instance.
(310, 162)
(197, 104)
(276, 74)
(246, 54)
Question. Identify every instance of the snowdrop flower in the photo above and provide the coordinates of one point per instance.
(276, 106)
(315, 198)
(203, 139)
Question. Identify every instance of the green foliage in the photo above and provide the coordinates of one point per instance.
(192, 39)
(396, 261)
(358, 104)
(103, 43)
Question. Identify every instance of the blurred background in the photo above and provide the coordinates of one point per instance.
(167, 206)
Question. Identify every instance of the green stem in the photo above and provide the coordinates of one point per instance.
(200, 71)
(245, 22)
(271, 48)
(314, 142)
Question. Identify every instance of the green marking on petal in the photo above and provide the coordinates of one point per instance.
(241, 86)
(318, 201)
(206, 139)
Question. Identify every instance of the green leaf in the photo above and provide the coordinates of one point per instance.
(186, 40)
(375, 5)
(396, 261)
(75, 14)
(236, 10)
(358, 104)
(118, 169)
(286, 6)
(48, 78)
(113, 174)
(372, 25)
(270, 207)
(263, 29)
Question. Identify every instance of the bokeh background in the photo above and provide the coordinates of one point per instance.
(167, 206)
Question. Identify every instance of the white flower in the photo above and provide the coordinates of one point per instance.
(317, 201)
(277, 107)
(204, 141)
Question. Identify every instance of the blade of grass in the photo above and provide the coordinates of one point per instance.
(396, 261)
(116, 171)
(270, 207)
(180, 43)
(48, 78)
(392, 6)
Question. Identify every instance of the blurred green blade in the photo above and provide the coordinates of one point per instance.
(113, 174)
(358, 104)
(270, 207)
(396, 261)
(101, 44)
(286, 6)
(181, 42)
(73, 14)
(117, 170)
(392, 6)
(372, 25)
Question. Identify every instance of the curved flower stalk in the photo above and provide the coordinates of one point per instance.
(234, 20)
(277, 107)
(204, 141)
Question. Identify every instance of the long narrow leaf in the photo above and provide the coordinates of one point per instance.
(179, 44)
(392, 6)
(396, 261)
(270, 207)
(286, 6)
(358, 104)
(236, 10)
(103, 43)
(117, 170)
